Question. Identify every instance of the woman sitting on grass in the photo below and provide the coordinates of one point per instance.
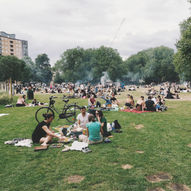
(103, 121)
(94, 130)
(129, 102)
(43, 133)
(21, 101)
(140, 106)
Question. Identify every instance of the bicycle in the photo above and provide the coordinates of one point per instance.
(68, 112)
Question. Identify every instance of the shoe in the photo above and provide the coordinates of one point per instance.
(86, 150)
(107, 140)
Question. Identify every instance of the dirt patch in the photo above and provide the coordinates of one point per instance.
(98, 186)
(189, 145)
(126, 166)
(140, 152)
(140, 126)
(75, 179)
(158, 177)
(178, 187)
(156, 189)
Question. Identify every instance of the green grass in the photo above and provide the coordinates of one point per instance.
(163, 139)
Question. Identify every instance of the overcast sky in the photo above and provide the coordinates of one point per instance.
(52, 26)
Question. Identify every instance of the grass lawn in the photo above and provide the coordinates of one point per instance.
(164, 139)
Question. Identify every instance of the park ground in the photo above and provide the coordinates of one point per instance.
(163, 139)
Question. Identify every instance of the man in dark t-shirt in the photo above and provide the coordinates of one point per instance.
(39, 132)
(150, 105)
(43, 133)
(114, 100)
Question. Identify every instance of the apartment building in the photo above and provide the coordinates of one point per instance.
(9, 45)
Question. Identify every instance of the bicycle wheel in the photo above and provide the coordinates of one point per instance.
(72, 112)
(41, 111)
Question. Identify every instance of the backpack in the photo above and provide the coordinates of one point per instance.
(117, 125)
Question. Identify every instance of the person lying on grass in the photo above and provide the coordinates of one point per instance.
(43, 133)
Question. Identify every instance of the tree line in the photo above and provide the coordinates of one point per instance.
(26, 70)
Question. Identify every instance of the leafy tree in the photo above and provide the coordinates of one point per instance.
(88, 65)
(31, 69)
(160, 66)
(43, 68)
(152, 65)
(134, 66)
(14, 68)
(108, 60)
(182, 59)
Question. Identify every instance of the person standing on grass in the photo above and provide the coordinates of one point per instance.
(43, 133)
(30, 93)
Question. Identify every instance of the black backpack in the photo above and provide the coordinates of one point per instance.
(117, 125)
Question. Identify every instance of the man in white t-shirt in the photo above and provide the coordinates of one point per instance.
(82, 118)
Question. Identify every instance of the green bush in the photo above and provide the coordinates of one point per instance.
(5, 99)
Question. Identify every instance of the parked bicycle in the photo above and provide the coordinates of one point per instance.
(68, 112)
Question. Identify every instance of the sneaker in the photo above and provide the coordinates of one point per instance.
(86, 150)
(107, 140)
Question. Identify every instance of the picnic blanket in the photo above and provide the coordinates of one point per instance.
(133, 111)
(19, 142)
(3, 114)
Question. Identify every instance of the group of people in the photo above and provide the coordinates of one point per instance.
(93, 128)
(151, 104)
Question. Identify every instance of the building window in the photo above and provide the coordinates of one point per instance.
(11, 41)
(11, 46)
(11, 50)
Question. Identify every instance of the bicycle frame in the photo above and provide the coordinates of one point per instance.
(52, 102)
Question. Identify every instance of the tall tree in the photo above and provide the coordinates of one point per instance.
(152, 65)
(182, 59)
(43, 68)
(14, 68)
(88, 65)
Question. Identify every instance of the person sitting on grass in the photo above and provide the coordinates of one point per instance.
(129, 102)
(114, 100)
(91, 101)
(150, 105)
(103, 121)
(107, 101)
(43, 133)
(94, 130)
(140, 106)
(82, 118)
(21, 101)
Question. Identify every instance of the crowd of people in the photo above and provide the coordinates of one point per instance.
(150, 104)
(91, 127)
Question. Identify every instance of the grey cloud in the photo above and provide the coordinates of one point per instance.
(52, 26)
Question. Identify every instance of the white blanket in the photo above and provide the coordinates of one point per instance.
(24, 143)
(78, 146)
(2, 114)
